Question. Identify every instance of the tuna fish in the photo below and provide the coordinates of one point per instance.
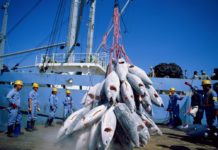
(90, 96)
(140, 73)
(127, 122)
(127, 95)
(152, 127)
(71, 122)
(142, 129)
(136, 83)
(112, 86)
(82, 141)
(108, 126)
(121, 69)
(155, 97)
(91, 117)
(94, 136)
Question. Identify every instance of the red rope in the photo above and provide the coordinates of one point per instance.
(117, 50)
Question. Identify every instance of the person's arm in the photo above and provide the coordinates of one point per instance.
(65, 101)
(51, 102)
(38, 106)
(30, 104)
(10, 98)
(179, 97)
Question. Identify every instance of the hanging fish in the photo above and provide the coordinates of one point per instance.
(82, 140)
(112, 86)
(90, 96)
(152, 127)
(91, 117)
(142, 129)
(121, 69)
(94, 136)
(108, 126)
(127, 122)
(127, 95)
(136, 83)
(71, 121)
(140, 73)
(121, 140)
(155, 97)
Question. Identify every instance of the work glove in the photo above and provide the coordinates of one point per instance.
(38, 109)
(14, 106)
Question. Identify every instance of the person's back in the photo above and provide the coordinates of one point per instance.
(195, 75)
(197, 103)
(204, 76)
(209, 101)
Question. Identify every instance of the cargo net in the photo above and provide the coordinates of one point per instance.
(117, 112)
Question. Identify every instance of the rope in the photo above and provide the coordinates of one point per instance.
(55, 34)
(24, 17)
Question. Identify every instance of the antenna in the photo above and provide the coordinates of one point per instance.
(90, 30)
(3, 32)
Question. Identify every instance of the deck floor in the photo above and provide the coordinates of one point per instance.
(43, 139)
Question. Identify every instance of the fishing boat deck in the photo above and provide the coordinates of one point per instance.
(44, 139)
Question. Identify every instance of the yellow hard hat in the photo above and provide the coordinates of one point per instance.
(68, 92)
(35, 85)
(54, 90)
(206, 82)
(18, 82)
(172, 89)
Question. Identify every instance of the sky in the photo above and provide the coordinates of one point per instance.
(184, 32)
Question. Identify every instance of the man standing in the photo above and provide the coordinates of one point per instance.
(14, 117)
(209, 100)
(173, 108)
(196, 103)
(33, 107)
(68, 104)
(53, 99)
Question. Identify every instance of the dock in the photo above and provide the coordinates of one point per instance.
(44, 139)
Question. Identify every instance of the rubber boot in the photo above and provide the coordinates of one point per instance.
(17, 130)
(29, 127)
(50, 122)
(47, 123)
(33, 125)
(10, 131)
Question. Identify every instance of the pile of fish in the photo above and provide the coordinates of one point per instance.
(116, 113)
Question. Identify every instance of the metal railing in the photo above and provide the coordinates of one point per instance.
(97, 58)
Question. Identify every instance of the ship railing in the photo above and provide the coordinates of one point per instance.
(96, 58)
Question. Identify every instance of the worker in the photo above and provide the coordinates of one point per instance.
(169, 109)
(68, 104)
(33, 107)
(15, 116)
(204, 76)
(215, 87)
(53, 99)
(209, 101)
(173, 108)
(195, 75)
(197, 105)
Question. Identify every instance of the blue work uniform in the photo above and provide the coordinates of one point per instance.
(15, 115)
(68, 106)
(196, 100)
(209, 103)
(173, 108)
(34, 96)
(53, 105)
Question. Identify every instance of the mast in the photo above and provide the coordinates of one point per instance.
(73, 19)
(3, 32)
(90, 30)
